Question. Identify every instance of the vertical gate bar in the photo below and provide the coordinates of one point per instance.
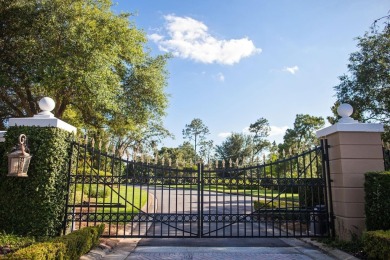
(244, 202)
(190, 180)
(162, 199)
(65, 222)
(111, 191)
(176, 202)
(118, 183)
(224, 201)
(82, 187)
(258, 177)
(169, 202)
(105, 183)
(147, 179)
(200, 204)
(238, 201)
(209, 182)
(251, 206)
(155, 180)
(230, 201)
(89, 186)
(183, 200)
(126, 180)
(98, 178)
(134, 180)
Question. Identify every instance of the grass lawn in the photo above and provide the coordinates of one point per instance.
(131, 199)
(267, 193)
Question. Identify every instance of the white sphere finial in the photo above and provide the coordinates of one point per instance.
(345, 111)
(47, 104)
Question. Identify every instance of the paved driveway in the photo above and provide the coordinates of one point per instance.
(225, 249)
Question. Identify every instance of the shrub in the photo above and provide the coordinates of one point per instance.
(14, 242)
(377, 207)
(47, 250)
(377, 244)
(70, 246)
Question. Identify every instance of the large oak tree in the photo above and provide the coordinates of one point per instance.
(92, 62)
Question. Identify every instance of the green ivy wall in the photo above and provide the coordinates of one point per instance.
(35, 205)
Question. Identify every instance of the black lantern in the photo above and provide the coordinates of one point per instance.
(19, 159)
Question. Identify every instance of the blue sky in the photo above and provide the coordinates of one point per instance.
(238, 60)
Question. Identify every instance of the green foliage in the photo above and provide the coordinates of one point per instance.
(185, 152)
(14, 242)
(262, 204)
(196, 131)
(36, 205)
(303, 132)
(377, 244)
(366, 86)
(90, 60)
(236, 147)
(81, 241)
(38, 251)
(377, 207)
(70, 246)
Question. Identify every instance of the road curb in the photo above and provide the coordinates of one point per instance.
(336, 253)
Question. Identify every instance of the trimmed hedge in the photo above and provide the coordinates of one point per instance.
(35, 205)
(70, 246)
(377, 244)
(377, 206)
(47, 250)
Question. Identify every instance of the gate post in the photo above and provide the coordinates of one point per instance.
(35, 205)
(354, 149)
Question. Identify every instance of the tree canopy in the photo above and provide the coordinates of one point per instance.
(196, 131)
(367, 85)
(303, 132)
(237, 146)
(92, 62)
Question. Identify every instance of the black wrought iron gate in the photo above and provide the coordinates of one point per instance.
(284, 197)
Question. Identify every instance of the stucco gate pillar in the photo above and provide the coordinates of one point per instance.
(354, 149)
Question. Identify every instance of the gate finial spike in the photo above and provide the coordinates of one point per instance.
(100, 145)
(86, 139)
(156, 159)
(113, 150)
(162, 161)
(127, 154)
(169, 162)
(237, 162)
(230, 162)
(263, 158)
(93, 143)
(216, 164)
(107, 146)
(223, 163)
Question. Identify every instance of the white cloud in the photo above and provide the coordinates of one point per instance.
(277, 131)
(188, 38)
(224, 135)
(291, 70)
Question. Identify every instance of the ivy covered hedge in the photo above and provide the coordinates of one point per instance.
(377, 244)
(377, 207)
(70, 246)
(35, 205)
